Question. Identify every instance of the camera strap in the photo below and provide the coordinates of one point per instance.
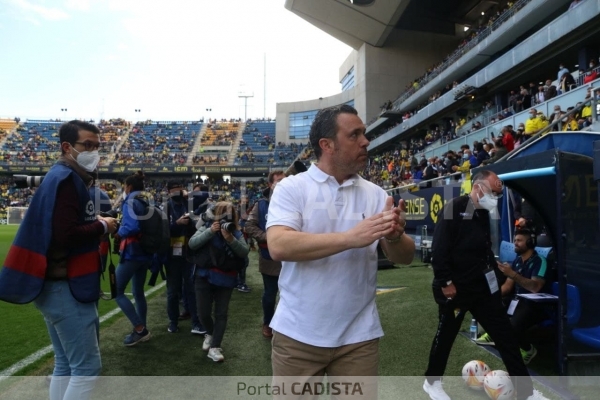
(112, 278)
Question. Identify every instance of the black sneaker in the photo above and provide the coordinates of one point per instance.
(243, 288)
(198, 330)
(172, 327)
(135, 337)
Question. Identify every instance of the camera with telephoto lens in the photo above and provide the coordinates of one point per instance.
(27, 181)
(228, 226)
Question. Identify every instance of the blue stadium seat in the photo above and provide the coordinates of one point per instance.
(543, 251)
(573, 303)
(507, 252)
(588, 336)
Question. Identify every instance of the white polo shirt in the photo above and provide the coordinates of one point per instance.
(328, 302)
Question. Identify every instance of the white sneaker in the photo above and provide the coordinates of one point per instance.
(207, 342)
(215, 354)
(435, 390)
(537, 395)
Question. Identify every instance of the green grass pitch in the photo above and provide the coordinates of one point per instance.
(408, 316)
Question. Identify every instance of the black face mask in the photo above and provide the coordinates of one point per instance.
(177, 196)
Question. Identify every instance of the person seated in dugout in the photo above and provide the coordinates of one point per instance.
(528, 274)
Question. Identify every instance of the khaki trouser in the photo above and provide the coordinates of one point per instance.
(300, 368)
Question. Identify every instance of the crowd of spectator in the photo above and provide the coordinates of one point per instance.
(489, 22)
(276, 154)
(11, 196)
(535, 94)
(235, 190)
(207, 158)
(149, 158)
(220, 134)
(404, 166)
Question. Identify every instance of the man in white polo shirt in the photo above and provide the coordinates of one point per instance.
(325, 225)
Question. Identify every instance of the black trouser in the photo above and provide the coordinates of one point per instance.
(241, 278)
(206, 294)
(180, 285)
(488, 311)
(527, 314)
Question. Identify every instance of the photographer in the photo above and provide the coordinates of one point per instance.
(220, 245)
(179, 270)
(134, 262)
(54, 261)
(269, 268)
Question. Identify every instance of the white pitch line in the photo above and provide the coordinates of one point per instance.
(13, 369)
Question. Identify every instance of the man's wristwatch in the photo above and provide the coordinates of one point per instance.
(447, 283)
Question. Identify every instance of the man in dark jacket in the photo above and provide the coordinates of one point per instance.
(550, 90)
(465, 279)
(500, 151)
(431, 171)
(179, 270)
(269, 268)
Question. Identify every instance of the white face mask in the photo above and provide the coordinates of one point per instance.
(88, 160)
(487, 202)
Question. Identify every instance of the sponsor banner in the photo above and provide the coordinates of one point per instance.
(148, 169)
(25, 169)
(423, 206)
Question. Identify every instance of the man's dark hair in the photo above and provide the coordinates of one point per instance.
(272, 175)
(69, 131)
(528, 233)
(465, 147)
(325, 125)
(174, 184)
(136, 181)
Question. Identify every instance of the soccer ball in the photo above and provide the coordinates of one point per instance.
(473, 373)
(498, 386)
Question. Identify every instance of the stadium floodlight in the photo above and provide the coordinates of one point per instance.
(245, 94)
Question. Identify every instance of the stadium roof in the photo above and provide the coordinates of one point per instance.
(355, 22)
(351, 23)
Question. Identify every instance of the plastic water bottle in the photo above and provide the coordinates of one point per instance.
(473, 329)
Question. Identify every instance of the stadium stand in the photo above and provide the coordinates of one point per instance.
(156, 143)
(33, 142)
(6, 125)
(37, 141)
(220, 133)
(258, 146)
